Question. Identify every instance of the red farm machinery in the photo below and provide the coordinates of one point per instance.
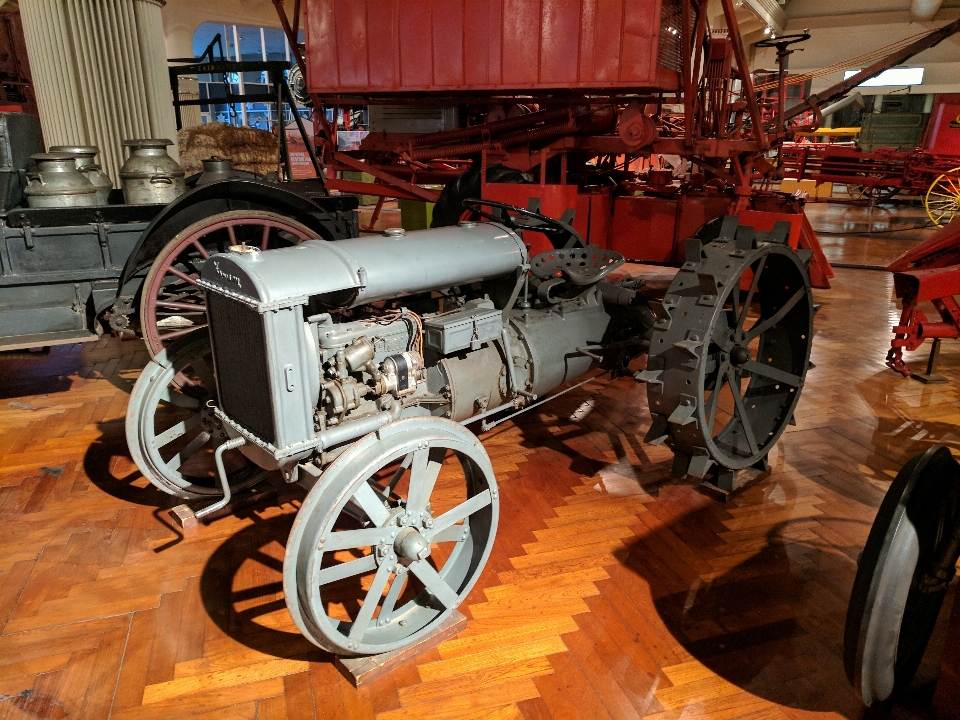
(565, 108)
(931, 171)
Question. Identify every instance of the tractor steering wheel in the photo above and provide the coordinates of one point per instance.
(783, 40)
(558, 232)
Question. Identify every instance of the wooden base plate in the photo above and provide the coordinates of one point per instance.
(363, 670)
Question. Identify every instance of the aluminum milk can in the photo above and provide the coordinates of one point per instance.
(216, 168)
(58, 183)
(150, 175)
(84, 155)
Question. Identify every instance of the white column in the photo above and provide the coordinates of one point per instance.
(100, 73)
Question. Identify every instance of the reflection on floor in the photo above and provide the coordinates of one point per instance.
(614, 590)
(870, 237)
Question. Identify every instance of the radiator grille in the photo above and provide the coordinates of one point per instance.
(241, 363)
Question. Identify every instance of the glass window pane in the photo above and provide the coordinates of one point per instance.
(203, 35)
(274, 40)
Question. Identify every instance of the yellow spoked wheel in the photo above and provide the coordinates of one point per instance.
(943, 198)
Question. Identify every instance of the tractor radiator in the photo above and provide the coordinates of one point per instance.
(240, 363)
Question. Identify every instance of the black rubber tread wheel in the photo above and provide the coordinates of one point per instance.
(890, 617)
(449, 207)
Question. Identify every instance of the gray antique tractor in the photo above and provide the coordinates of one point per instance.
(355, 366)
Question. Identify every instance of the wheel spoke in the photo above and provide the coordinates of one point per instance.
(749, 299)
(454, 533)
(742, 411)
(434, 583)
(192, 307)
(179, 399)
(349, 539)
(371, 504)
(183, 276)
(233, 235)
(398, 473)
(370, 602)
(390, 601)
(188, 452)
(177, 431)
(460, 512)
(769, 371)
(341, 571)
(201, 249)
(423, 476)
(711, 406)
(776, 317)
(265, 238)
(166, 337)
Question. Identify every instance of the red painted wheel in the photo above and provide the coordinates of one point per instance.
(171, 304)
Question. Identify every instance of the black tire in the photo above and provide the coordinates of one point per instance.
(449, 207)
(891, 615)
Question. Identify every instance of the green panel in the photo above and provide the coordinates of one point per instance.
(901, 131)
(415, 214)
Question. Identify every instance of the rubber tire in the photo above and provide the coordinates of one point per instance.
(889, 620)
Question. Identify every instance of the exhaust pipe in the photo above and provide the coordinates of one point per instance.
(854, 99)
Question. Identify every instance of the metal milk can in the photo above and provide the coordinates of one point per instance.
(150, 175)
(58, 183)
(84, 155)
(216, 168)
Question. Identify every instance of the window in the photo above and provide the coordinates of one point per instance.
(242, 42)
(894, 77)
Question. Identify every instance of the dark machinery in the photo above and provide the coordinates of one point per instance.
(353, 367)
(909, 560)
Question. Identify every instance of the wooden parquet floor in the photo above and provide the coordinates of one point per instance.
(614, 590)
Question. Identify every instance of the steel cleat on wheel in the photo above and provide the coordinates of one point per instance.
(391, 538)
(729, 352)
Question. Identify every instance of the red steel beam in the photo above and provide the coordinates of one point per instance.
(745, 78)
(418, 193)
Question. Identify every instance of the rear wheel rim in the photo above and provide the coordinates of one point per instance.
(171, 305)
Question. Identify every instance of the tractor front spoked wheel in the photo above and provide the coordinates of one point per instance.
(391, 538)
(171, 428)
(942, 201)
(171, 304)
(729, 354)
(895, 600)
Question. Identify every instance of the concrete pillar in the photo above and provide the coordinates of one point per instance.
(100, 72)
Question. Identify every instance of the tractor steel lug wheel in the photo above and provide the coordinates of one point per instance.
(391, 538)
(942, 201)
(895, 600)
(729, 353)
(172, 431)
(171, 304)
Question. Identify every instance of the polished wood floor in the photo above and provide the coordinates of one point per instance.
(613, 591)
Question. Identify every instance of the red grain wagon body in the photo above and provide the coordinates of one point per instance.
(381, 48)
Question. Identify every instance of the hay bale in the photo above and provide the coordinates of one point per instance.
(250, 149)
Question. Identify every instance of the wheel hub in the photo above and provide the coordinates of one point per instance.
(411, 545)
(739, 355)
